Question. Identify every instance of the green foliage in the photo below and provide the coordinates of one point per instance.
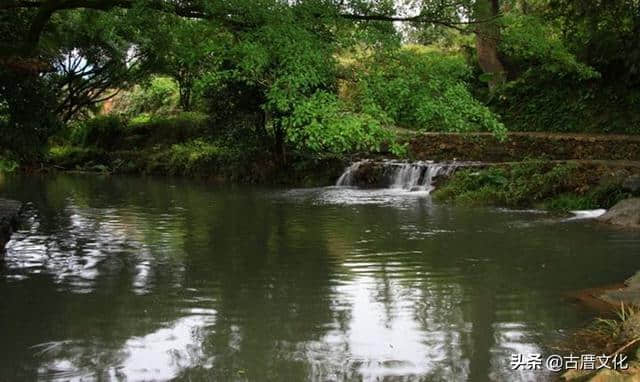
(424, 89)
(555, 85)
(113, 132)
(157, 96)
(604, 35)
(103, 131)
(520, 185)
(607, 194)
(537, 49)
(570, 202)
(186, 50)
(7, 165)
(557, 187)
(26, 119)
(167, 130)
(322, 124)
(193, 156)
(72, 157)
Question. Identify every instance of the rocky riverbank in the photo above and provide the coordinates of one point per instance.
(626, 214)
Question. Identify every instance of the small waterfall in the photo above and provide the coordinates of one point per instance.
(346, 179)
(414, 176)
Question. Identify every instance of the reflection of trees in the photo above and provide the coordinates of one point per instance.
(263, 272)
(273, 287)
(263, 288)
(90, 276)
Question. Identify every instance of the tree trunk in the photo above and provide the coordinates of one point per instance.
(185, 96)
(279, 144)
(487, 40)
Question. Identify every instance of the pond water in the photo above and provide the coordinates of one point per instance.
(116, 278)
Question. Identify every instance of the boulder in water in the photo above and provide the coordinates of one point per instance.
(626, 213)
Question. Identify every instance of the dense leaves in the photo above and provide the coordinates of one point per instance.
(424, 89)
(313, 77)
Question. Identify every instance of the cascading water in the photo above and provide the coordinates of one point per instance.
(346, 179)
(414, 176)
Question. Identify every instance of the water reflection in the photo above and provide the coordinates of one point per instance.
(148, 279)
(159, 355)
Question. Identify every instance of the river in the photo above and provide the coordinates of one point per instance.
(118, 278)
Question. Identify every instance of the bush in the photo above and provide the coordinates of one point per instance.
(158, 96)
(424, 89)
(549, 89)
(558, 187)
(520, 185)
(103, 131)
(321, 124)
(535, 50)
(7, 165)
(193, 157)
(71, 157)
(26, 117)
(168, 130)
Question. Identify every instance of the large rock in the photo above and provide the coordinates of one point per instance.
(9, 210)
(632, 184)
(626, 213)
(627, 294)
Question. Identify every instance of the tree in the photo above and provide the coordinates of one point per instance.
(488, 40)
(284, 50)
(184, 49)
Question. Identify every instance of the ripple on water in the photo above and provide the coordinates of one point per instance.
(95, 243)
(321, 284)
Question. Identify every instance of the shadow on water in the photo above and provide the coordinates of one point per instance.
(157, 279)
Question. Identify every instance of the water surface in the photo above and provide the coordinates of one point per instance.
(115, 278)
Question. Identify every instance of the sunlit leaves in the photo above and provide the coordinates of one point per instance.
(425, 89)
(322, 123)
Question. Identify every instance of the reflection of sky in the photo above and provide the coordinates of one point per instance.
(390, 346)
(398, 198)
(392, 312)
(417, 336)
(94, 244)
(157, 356)
(161, 355)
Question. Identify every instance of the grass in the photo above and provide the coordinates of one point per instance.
(184, 144)
(619, 334)
(557, 187)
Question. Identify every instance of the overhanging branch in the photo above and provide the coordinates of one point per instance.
(46, 8)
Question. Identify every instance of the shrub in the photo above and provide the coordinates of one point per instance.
(535, 49)
(173, 129)
(424, 89)
(322, 124)
(193, 157)
(70, 157)
(158, 96)
(7, 165)
(102, 131)
(520, 185)
(574, 97)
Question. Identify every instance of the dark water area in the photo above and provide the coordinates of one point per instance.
(116, 278)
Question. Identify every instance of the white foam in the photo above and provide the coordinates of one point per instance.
(587, 214)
